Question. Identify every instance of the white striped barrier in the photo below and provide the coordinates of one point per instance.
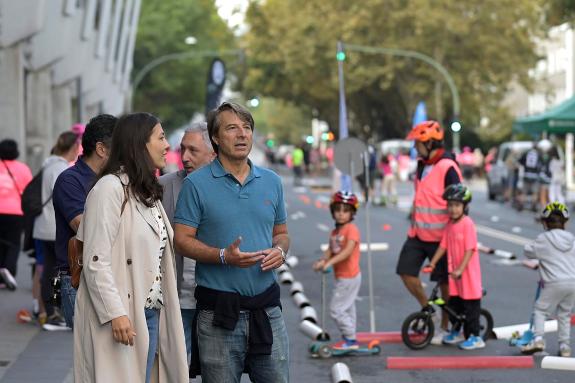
(558, 363)
(308, 313)
(313, 331)
(506, 332)
(292, 261)
(340, 373)
(286, 278)
(296, 287)
(300, 300)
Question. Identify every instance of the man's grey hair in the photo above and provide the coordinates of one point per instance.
(202, 128)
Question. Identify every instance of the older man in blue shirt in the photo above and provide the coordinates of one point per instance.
(224, 206)
(70, 192)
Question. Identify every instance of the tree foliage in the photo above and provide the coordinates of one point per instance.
(484, 44)
(285, 121)
(175, 90)
(560, 11)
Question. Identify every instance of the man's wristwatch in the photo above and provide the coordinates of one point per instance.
(282, 251)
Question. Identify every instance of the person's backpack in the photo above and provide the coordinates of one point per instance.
(32, 206)
(32, 203)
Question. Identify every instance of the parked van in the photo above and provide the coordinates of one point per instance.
(497, 177)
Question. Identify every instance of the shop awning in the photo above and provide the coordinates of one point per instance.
(559, 119)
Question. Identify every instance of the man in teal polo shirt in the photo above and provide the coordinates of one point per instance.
(231, 218)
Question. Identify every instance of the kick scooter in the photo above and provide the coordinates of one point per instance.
(324, 349)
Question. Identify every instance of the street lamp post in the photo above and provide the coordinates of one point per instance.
(419, 56)
(176, 56)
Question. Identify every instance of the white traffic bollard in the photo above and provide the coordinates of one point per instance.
(282, 269)
(504, 254)
(300, 300)
(313, 331)
(506, 332)
(296, 287)
(286, 278)
(558, 363)
(292, 261)
(308, 313)
(340, 373)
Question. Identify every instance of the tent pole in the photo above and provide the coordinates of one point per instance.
(569, 160)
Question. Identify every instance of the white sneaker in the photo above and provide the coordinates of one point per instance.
(9, 279)
(437, 339)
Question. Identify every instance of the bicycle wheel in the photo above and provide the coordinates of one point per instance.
(417, 330)
(485, 324)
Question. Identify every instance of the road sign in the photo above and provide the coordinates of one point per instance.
(348, 156)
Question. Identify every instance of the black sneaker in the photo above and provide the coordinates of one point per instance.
(55, 322)
(8, 279)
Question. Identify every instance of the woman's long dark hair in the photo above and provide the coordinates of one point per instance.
(129, 154)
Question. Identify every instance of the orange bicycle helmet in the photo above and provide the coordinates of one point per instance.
(426, 131)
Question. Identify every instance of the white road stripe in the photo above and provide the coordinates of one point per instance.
(297, 215)
(322, 227)
(494, 233)
(380, 246)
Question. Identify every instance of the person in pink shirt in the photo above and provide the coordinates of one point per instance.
(465, 290)
(14, 176)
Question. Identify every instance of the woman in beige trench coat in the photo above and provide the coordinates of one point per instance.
(129, 268)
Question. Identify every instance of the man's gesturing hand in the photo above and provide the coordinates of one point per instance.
(233, 255)
(273, 259)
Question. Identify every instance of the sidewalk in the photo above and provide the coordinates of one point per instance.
(27, 353)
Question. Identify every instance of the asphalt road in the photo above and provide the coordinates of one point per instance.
(511, 289)
(30, 355)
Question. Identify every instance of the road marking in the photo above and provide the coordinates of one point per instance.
(516, 229)
(297, 215)
(494, 233)
(323, 227)
(494, 218)
(380, 246)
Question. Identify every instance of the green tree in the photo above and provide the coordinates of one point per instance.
(287, 122)
(175, 90)
(560, 11)
(484, 44)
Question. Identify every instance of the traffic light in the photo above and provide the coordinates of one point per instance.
(309, 140)
(455, 126)
(270, 143)
(340, 56)
(327, 136)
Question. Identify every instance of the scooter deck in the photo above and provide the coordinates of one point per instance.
(326, 350)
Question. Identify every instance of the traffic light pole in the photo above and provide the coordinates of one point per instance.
(176, 56)
(419, 56)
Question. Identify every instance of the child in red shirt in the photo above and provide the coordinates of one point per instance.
(343, 253)
(465, 291)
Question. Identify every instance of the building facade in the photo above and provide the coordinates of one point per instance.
(62, 62)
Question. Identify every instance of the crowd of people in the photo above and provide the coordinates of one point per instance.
(535, 176)
(177, 276)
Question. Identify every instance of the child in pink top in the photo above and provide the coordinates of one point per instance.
(460, 243)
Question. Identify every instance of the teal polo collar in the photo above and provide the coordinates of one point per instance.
(219, 171)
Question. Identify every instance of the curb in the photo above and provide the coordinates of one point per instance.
(459, 362)
(385, 337)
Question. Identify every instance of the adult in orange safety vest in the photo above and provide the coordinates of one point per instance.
(436, 170)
